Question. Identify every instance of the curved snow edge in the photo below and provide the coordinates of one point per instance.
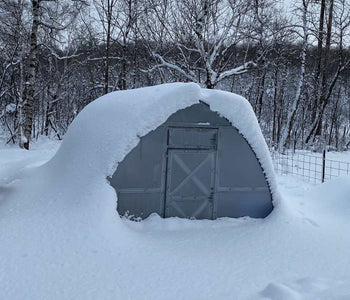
(107, 129)
(240, 113)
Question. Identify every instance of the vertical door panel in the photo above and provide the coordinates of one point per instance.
(190, 183)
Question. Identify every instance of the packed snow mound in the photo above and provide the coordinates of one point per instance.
(61, 238)
(111, 126)
(306, 289)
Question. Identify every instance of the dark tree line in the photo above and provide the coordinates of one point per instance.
(293, 67)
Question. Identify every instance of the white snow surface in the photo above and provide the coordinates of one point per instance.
(61, 237)
(111, 126)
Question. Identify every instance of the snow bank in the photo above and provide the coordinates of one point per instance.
(307, 288)
(55, 245)
(61, 237)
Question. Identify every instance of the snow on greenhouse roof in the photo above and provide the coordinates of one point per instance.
(110, 127)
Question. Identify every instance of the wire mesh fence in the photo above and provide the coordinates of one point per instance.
(312, 167)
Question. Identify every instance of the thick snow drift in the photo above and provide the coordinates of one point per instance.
(111, 126)
(61, 237)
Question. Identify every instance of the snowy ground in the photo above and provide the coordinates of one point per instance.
(58, 250)
(13, 159)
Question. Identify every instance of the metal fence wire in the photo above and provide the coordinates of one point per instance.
(314, 168)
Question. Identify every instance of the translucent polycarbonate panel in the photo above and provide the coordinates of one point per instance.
(198, 114)
(139, 205)
(195, 165)
(193, 138)
(255, 204)
(241, 187)
(142, 167)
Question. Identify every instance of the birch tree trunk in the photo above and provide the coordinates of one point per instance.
(20, 90)
(108, 42)
(30, 84)
(323, 97)
(320, 35)
(293, 109)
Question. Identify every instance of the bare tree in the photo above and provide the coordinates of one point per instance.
(44, 14)
(298, 82)
(294, 105)
(205, 34)
(129, 12)
(338, 14)
(108, 15)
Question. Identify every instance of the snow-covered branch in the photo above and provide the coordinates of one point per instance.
(104, 58)
(65, 57)
(188, 48)
(236, 71)
(189, 75)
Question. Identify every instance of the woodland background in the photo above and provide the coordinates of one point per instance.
(291, 62)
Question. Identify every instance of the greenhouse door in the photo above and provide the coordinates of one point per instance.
(190, 183)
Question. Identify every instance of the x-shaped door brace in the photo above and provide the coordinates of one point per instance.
(191, 175)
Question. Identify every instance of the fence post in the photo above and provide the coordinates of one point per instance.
(323, 164)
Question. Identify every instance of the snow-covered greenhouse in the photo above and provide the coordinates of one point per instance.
(199, 154)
